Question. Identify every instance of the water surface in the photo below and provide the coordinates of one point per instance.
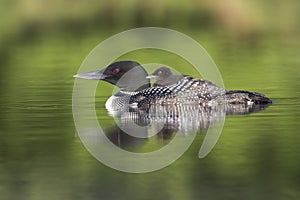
(42, 157)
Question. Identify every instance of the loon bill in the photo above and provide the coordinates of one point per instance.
(136, 91)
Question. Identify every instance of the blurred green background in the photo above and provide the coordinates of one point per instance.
(42, 44)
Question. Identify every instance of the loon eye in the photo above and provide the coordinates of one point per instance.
(116, 70)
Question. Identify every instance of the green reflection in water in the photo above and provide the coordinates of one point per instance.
(41, 157)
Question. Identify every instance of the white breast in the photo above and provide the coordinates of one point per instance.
(109, 103)
(117, 104)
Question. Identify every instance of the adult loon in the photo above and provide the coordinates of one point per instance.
(135, 90)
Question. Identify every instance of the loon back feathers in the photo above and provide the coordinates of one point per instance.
(187, 91)
(241, 96)
(208, 91)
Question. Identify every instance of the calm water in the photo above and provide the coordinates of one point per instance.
(41, 156)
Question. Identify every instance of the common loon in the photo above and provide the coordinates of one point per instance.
(135, 90)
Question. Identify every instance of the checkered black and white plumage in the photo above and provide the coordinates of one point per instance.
(186, 91)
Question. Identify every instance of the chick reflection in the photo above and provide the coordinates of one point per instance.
(127, 141)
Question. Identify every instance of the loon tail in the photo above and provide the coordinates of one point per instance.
(241, 96)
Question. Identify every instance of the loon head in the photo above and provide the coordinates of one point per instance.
(127, 75)
(160, 74)
(165, 77)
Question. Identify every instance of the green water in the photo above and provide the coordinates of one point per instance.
(42, 157)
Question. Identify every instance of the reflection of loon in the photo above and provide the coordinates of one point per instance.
(164, 121)
(136, 92)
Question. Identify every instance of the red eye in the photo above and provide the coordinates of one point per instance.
(116, 70)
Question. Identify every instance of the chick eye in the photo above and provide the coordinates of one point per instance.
(116, 70)
(159, 72)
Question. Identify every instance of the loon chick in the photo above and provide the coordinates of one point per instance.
(135, 90)
(164, 77)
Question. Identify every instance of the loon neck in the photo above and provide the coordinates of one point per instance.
(124, 92)
(134, 85)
